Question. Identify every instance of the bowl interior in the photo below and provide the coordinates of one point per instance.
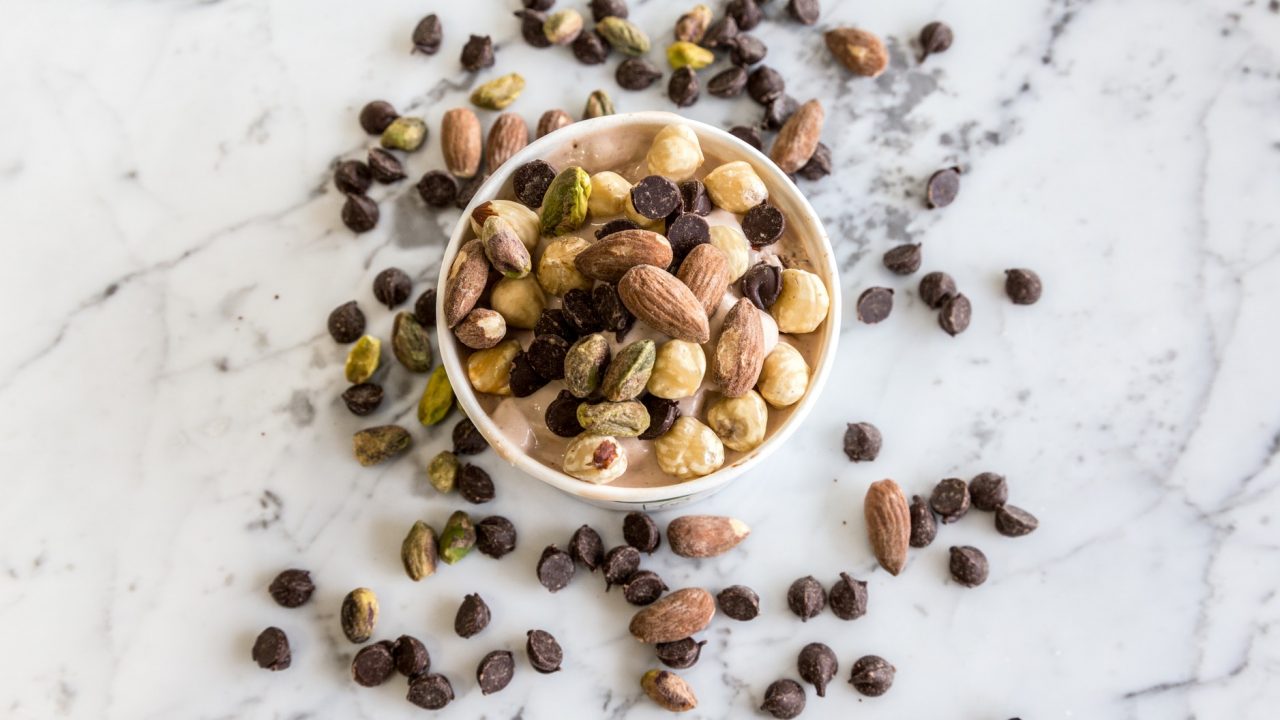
(597, 139)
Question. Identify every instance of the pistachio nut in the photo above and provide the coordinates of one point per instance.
(621, 419)
(405, 133)
(375, 444)
(562, 27)
(362, 359)
(418, 551)
(686, 54)
(623, 35)
(585, 363)
(457, 538)
(564, 207)
(442, 472)
(504, 248)
(437, 398)
(410, 343)
(599, 104)
(629, 371)
(523, 220)
(359, 615)
(498, 92)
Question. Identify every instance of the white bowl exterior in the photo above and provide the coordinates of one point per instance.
(782, 191)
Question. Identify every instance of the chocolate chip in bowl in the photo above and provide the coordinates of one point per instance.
(664, 395)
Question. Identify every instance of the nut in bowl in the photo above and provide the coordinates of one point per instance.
(675, 320)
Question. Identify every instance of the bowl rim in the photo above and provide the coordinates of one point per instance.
(466, 396)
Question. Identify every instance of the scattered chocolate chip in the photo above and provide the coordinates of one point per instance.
(474, 485)
(614, 315)
(746, 50)
(538, 4)
(924, 527)
(531, 22)
(643, 588)
(372, 665)
(848, 598)
(641, 532)
(663, 414)
(936, 288)
(614, 226)
(601, 9)
(763, 225)
(467, 440)
(424, 309)
(818, 165)
(746, 13)
(580, 311)
(352, 176)
(530, 182)
(935, 37)
(748, 135)
(694, 197)
(637, 74)
(586, 547)
(524, 380)
(655, 197)
(874, 305)
(683, 88)
(806, 598)
(817, 664)
(385, 167)
(544, 652)
(942, 188)
(359, 213)
(437, 188)
(805, 11)
(392, 287)
(988, 491)
(271, 650)
(1013, 521)
(872, 675)
(427, 35)
(562, 415)
(904, 259)
(495, 536)
(363, 398)
(430, 692)
(553, 322)
(292, 588)
(477, 54)
(862, 442)
(765, 85)
(950, 499)
(467, 190)
(411, 656)
(728, 83)
(346, 323)
(739, 602)
(762, 284)
(376, 116)
(720, 34)
(686, 232)
(1022, 286)
(955, 314)
(555, 568)
(968, 566)
(620, 564)
(679, 654)
(546, 355)
(473, 616)
(589, 48)
(494, 671)
(784, 699)
(779, 111)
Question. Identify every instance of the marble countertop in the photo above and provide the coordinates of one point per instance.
(172, 434)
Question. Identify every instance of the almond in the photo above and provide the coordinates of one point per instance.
(610, 258)
(467, 278)
(702, 536)
(664, 303)
(740, 350)
(888, 524)
(507, 136)
(553, 120)
(798, 138)
(674, 617)
(460, 142)
(706, 271)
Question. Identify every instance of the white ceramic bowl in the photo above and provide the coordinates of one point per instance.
(802, 222)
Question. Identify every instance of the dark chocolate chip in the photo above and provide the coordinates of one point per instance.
(474, 485)
(637, 74)
(746, 13)
(292, 588)
(728, 83)
(545, 654)
(874, 305)
(424, 309)
(935, 37)
(359, 213)
(805, 11)
(1013, 521)
(411, 656)
(779, 111)
(872, 675)
(601, 9)
(848, 598)
(494, 671)
(438, 189)
(862, 442)
(472, 617)
(817, 664)
(683, 87)
(589, 48)
(477, 54)
(373, 665)
(553, 322)
(663, 413)
(748, 135)
(720, 34)
(694, 197)
(988, 491)
(352, 176)
(968, 566)
(746, 50)
(819, 164)
(1022, 286)
(955, 315)
(641, 532)
(427, 35)
(679, 654)
(936, 288)
(376, 116)
(686, 232)
(430, 692)
(580, 312)
(346, 322)
(467, 440)
(806, 598)
(784, 699)
(495, 536)
(765, 85)
(538, 4)
(524, 380)
(924, 526)
(555, 568)
(384, 166)
(643, 588)
(614, 315)
(655, 197)
(614, 226)
(530, 182)
(363, 398)
(546, 355)
(762, 284)
(271, 650)
(467, 190)
(586, 547)
(562, 415)
(531, 22)
(904, 259)
(739, 602)
(620, 564)
(950, 499)
(392, 287)
(942, 188)
(763, 225)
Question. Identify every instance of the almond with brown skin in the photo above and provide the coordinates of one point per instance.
(888, 524)
(861, 52)
(798, 138)
(460, 142)
(740, 350)
(702, 536)
(664, 303)
(467, 278)
(553, 120)
(674, 617)
(610, 257)
(706, 271)
(507, 136)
